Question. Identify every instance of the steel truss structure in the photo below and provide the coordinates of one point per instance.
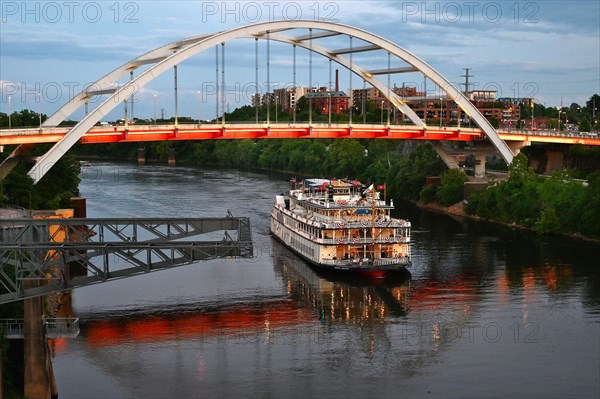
(39, 256)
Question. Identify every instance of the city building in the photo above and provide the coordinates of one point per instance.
(324, 100)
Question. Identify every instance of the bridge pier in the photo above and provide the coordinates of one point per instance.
(554, 161)
(39, 376)
(141, 158)
(172, 158)
(480, 165)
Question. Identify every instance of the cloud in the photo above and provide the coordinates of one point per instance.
(528, 40)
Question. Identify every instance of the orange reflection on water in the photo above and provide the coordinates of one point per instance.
(235, 321)
(439, 294)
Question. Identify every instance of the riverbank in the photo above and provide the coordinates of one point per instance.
(458, 210)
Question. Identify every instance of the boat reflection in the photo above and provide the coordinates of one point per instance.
(337, 297)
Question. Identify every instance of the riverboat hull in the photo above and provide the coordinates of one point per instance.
(369, 272)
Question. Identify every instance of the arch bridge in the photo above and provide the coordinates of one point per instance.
(112, 89)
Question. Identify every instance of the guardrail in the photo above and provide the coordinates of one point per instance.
(56, 327)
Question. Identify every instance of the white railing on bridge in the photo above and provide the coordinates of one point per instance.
(56, 327)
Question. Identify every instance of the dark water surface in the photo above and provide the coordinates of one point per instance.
(488, 312)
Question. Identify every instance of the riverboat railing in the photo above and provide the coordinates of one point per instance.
(361, 240)
(402, 260)
(337, 223)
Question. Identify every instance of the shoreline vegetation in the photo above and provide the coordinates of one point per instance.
(558, 204)
(546, 205)
(457, 211)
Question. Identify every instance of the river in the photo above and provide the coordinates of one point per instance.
(489, 311)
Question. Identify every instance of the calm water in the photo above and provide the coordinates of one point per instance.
(488, 312)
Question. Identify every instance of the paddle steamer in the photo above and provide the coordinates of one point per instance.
(342, 225)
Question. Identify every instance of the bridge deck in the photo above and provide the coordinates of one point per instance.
(140, 133)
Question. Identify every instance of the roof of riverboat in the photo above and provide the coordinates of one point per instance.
(316, 183)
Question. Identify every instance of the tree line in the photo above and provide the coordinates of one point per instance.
(557, 204)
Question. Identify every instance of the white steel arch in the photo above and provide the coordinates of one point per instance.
(168, 56)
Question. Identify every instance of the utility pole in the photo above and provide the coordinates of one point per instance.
(466, 76)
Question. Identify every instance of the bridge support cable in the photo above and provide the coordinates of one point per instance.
(351, 97)
(256, 95)
(177, 52)
(217, 84)
(425, 98)
(175, 95)
(268, 96)
(223, 92)
(132, 98)
(310, 82)
(329, 95)
(364, 100)
(389, 76)
(295, 86)
(104, 249)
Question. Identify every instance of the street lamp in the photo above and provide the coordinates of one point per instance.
(40, 108)
(329, 105)
(9, 112)
(155, 110)
(559, 111)
(199, 112)
(276, 100)
(532, 109)
(382, 112)
(441, 110)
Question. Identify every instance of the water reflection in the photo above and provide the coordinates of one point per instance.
(487, 311)
(339, 298)
(442, 298)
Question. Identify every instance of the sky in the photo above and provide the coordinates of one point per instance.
(51, 50)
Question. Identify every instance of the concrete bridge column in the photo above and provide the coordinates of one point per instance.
(39, 377)
(141, 156)
(172, 158)
(480, 165)
(554, 161)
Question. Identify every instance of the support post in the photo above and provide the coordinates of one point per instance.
(295, 88)
(217, 84)
(480, 165)
(350, 96)
(268, 79)
(38, 367)
(389, 89)
(256, 95)
(176, 102)
(141, 158)
(223, 99)
(310, 77)
(132, 95)
(172, 157)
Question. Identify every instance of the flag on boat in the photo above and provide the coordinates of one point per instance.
(381, 187)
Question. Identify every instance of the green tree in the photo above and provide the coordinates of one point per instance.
(585, 125)
(346, 158)
(451, 188)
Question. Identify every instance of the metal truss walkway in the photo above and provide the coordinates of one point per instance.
(39, 256)
(55, 327)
